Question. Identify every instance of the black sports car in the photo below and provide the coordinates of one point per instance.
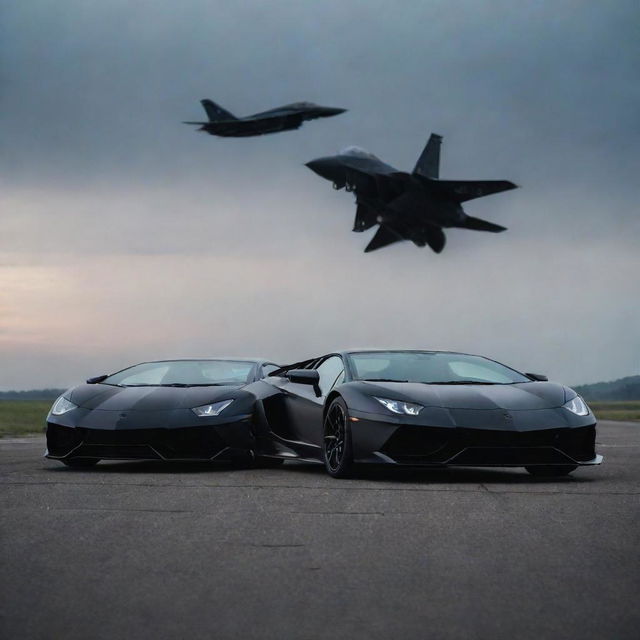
(165, 410)
(421, 408)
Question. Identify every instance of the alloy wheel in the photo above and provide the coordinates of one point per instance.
(335, 430)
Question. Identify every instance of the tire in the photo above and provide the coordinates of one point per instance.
(551, 470)
(337, 449)
(81, 463)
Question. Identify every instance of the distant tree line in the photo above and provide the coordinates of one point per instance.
(33, 394)
(618, 390)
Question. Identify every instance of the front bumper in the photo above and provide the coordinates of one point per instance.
(223, 441)
(416, 445)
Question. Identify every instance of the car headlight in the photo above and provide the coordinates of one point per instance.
(578, 406)
(62, 405)
(403, 408)
(213, 409)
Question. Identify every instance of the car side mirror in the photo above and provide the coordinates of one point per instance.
(537, 377)
(97, 379)
(305, 376)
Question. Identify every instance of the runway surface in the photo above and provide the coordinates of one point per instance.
(154, 550)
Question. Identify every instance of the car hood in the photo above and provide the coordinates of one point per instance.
(524, 396)
(104, 397)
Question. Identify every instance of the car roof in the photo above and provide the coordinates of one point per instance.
(216, 359)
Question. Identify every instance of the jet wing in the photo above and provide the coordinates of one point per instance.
(384, 237)
(463, 190)
(257, 126)
(292, 120)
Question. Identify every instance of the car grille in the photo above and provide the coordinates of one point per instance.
(188, 443)
(424, 445)
(61, 440)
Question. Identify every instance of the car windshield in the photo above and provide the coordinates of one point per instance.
(431, 368)
(184, 373)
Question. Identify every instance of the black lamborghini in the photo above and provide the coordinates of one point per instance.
(421, 408)
(165, 410)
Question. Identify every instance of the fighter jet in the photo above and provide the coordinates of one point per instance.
(407, 206)
(290, 116)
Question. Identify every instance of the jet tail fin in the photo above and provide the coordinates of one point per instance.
(428, 164)
(477, 224)
(384, 237)
(215, 111)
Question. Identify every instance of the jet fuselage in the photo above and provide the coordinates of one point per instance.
(291, 116)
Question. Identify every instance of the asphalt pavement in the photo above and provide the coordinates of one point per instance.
(158, 550)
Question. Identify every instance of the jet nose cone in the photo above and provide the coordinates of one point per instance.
(321, 166)
(332, 111)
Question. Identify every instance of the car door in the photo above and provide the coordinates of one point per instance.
(275, 394)
(305, 406)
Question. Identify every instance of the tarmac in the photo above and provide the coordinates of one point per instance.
(160, 550)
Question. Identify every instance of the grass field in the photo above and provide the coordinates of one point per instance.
(627, 410)
(24, 417)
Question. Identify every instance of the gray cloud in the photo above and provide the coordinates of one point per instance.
(99, 170)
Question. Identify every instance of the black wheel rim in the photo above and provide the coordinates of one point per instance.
(334, 436)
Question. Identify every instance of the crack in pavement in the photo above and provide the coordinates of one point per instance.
(269, 546)
(339, 513)
(115, 509)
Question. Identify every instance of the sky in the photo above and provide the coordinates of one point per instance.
(126, 235)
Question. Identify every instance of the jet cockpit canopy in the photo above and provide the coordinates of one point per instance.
(358, 152)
